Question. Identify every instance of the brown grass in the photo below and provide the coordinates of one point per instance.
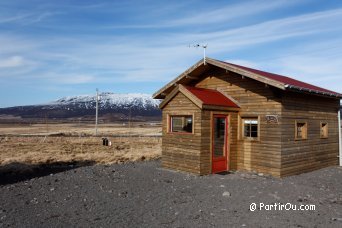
(36, 150)
(76, 129)
(15, 147)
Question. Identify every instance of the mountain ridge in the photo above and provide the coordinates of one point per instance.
(116, 105)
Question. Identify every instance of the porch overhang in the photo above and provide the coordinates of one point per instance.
(206, 99)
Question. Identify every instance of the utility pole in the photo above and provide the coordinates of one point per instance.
(97, 110)
(129, 122)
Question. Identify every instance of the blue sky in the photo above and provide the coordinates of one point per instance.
(51, 49)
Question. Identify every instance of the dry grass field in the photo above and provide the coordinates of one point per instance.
(44, 144)
(83, 129)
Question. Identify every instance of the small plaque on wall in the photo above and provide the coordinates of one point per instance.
(271, 119)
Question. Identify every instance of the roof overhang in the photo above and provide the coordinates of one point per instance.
(310, 91)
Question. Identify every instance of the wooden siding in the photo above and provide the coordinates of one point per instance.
(181, 151)
(276, 151)
(256, 100)
(206, 142)
(305, 155)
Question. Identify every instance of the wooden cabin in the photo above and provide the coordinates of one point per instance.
(219, 116)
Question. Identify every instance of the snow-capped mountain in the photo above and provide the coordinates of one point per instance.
(118, 106)
(112, 100)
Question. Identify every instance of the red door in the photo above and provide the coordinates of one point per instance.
(219, 143)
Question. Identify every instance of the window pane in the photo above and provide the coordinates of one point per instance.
(219, 136)
(247, 131)
(176, 124)
(324, 130)
(254, 130)
(254, 127)
(250, 128)
(181, 124)
(301, 130)
(250, 121)
(188, 124)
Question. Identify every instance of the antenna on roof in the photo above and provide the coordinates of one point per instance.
(204, 46)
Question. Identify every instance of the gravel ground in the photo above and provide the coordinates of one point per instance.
(144, 195)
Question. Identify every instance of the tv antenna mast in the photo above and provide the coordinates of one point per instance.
(204, 46)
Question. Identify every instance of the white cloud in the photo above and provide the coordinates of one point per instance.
(229, 12)
(79, 59)
(315, 69)
(13, 61)
(13, 44)
(40, 17)
(150, 53)
(204, 17)
(11, 18)
(317, 63)
(279, 29)
(67, 78)
(76, 79)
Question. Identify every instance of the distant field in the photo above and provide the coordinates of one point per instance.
(49, 143)
(84, 129)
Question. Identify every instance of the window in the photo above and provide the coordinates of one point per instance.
(301, 130)
(250, 128)
(324, 130)
(181, 124)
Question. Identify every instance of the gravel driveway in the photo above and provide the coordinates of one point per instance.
(144, 195)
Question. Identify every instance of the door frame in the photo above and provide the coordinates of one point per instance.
(226, 143)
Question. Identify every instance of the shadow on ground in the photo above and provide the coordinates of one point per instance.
(223, 173)
(16, 172)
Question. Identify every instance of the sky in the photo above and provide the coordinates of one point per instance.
(53, 49)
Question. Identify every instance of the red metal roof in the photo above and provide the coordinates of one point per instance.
(211, 97)
(285, 80)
